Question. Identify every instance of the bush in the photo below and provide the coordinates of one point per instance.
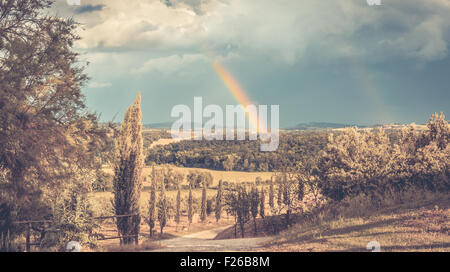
(370, 163)
(209, 206)
(103, 183)
(71, 221)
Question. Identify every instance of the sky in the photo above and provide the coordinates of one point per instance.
(340, 61)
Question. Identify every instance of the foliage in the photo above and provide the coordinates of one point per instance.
(72, 220)
(271, 195)
(190, 208)
(163, 208)
(262, 203)
(178, 206)
(254, 205)
(238, 205)
(128, 173)
(203, 207)
(218, 208)
(46, 134)
(196, 179)
(152, 201)
(240, 155)
(103, 182)
(209, 206)
(369, 162)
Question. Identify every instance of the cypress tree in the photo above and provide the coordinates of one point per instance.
(271, 195)
(128, 173)
(178, 212)
(190, 210)
(203, 208)
(243, 208)
(162, 207)
(219, 202)
(262, 203)
(152, 203)
(280, 193)
(254, 203)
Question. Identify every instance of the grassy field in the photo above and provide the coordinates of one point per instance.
(230, 176)
(419, 226)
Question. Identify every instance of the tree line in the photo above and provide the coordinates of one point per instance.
(240, 155)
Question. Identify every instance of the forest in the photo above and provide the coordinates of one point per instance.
(240, 155)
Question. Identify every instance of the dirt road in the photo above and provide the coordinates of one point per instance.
(203, 242)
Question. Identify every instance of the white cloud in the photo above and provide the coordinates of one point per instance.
(170, 65)
(99, 85)
(285, 30)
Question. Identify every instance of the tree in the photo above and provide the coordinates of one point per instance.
(271, 195)
(238, 205)
(47, 137)
(232, 206)
(228, 163)
(163, 207)
(209, 206)
(190, 203)
(371, 163)
(254, 205)
(192, 177)
(355, 162)
(262, 203)
(152, 202)
(178, 211)
(218, 209)
(243, 209)
(290, 195)
(128, 173)
(280, 192)
(203, 207)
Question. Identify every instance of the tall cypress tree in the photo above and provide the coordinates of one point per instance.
(219, 202)
(271, 195)
(128, 173)
(178, 212)
(203, 208)
(254, 205)
(280, 192)
(152, 203)
(190, 210)
(262, 203)
(162, 207)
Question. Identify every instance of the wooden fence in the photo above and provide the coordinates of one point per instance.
(29, 226)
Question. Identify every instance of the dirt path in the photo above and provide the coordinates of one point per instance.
(203, 242)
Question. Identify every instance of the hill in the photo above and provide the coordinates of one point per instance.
(322, 125)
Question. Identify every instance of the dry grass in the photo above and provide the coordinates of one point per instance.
(230, 176)
(101, 202)
(397, 228)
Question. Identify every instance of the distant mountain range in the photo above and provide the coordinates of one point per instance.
(301, 126)
(165, 125)
(322, 125)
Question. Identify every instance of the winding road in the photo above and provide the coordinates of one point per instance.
(203, 242)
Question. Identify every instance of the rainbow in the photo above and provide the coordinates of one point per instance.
(235, 89)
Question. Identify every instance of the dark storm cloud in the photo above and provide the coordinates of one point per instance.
(89, 8)
(195, 5)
